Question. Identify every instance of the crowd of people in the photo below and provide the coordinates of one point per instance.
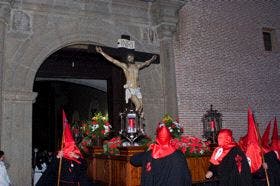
(253, 160)
(250, 161)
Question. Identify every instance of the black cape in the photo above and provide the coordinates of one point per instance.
(72, 174)
(167, 171)
(227, 171)
(273, 171)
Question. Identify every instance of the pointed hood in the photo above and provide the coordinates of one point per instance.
(225, 138)
(162, 147)
(226, 143)
(68, 141)
(242, 143)
(274, 138)
(253, 151)
(265, 139)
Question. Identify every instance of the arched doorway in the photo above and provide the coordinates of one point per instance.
(78, 80)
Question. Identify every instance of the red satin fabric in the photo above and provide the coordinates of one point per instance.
(253, 149)
(243, 143)
(265, 139)
(69, 145)
(274, 139)
(162, 147)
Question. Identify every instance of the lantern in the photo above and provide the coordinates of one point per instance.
(212, 123)
(131, 126)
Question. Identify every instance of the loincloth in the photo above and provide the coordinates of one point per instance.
(132, 92)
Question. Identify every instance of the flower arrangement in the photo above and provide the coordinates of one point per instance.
(99, 126)
(192, 146)
(174, 127)
(92, 131)
(111, 146)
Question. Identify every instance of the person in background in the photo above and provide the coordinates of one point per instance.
(40, 166)
(4, 177)
(49, 157)
(229, 163)
(162, 164)
(270, 169)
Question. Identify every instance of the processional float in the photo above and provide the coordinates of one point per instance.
(132, 126)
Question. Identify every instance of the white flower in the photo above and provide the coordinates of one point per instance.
(94, 127)
(107, 129)
(201, 151)
(178, 125)
(171, 130)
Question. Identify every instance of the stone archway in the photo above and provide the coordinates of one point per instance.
(78, 66)
(35, 30)
(19, 76)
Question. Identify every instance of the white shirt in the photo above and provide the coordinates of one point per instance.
(38, 173)
(4, 178)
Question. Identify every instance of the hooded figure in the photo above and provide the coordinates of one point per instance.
(272, 165)
(162, 164)
(73, 166)
(70, 151)
(228, 163)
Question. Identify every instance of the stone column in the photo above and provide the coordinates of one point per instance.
(16, 135)
(169, 79)
(165, 15)
(4, 16)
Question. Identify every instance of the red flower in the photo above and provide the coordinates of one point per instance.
(190, 145)
(184, 149)
(113, 144)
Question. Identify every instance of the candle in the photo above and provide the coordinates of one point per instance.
(131, 125)
(131, 122)
(212, 126)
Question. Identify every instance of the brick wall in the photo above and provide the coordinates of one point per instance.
(220, 60)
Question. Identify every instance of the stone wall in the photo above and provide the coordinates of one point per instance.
(220, 60)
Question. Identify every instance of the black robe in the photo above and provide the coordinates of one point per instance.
(273, 171)
(72, 174)
(227, 171)
(167, 171)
